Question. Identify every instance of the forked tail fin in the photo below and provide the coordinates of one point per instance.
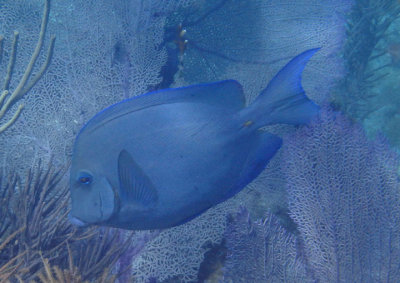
(283, 100)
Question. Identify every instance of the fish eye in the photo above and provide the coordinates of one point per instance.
(85, 179)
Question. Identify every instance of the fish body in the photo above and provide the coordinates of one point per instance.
(163, 158)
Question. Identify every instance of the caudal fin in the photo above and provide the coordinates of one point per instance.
(283, 100)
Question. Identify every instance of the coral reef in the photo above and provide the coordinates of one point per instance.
(262, 251)
(176, 254)
(106, 51)
(368, 92)
(109, 50)
(344, 197)
(9, 98)
(54, 274)
(34, 208)
(260, 37)
(35, 232)
(367, 25)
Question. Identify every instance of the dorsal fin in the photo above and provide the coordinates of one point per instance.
(227, 94)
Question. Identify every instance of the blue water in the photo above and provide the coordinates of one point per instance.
(325, 209)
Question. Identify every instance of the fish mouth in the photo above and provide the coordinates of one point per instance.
(76, 221)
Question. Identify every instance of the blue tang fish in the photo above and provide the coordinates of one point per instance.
(160, 159)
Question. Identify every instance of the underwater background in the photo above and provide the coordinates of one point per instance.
(326, 208)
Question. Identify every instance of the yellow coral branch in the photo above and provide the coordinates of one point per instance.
(1, 47)
(12, 120)
(11, 62)
(12, 236)
(24, 86)
(42, 69)
(3, 96)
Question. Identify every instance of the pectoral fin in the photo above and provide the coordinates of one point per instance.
(135, 185)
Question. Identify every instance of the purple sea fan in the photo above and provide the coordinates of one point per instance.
(344, 196)
(262, 251)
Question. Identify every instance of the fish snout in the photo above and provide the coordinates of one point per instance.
(76, 221)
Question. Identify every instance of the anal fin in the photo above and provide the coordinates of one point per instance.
(266, 147)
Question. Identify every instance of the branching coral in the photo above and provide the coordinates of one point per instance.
(35, 234)
(9, 98)
(54, 274)
(262, 251)
(343, 193)
(105, 52)
(97, 255)
(367, 26)
(11, 266)
(33, 220)
(250, 40)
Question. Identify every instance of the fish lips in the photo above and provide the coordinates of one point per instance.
(76, 221)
